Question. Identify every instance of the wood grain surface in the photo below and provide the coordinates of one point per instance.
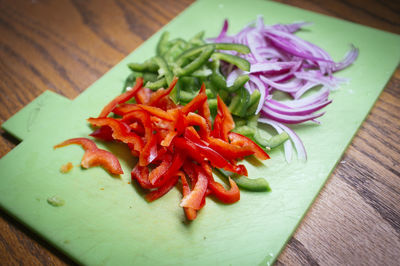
(66, 45)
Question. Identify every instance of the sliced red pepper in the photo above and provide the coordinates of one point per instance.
(120, 131)
(177, 162)
(158, 95)
(143, 96)
(87, 144)
(190, 213)
(243, 141)
(166, 142)
(188, 148)
(197, 101)
(94, 156)
(228, 150)
(137, 128)
(162, 190)
(226, 196)
(103, 133)
(194, 198)
(122, 98)
(149, 151)
(161, 169)
(125, 108)
(141, 175)
(223, 122)
(103, 158)
(204, 111)
(157, 112)
(195, 119)
(216, 159)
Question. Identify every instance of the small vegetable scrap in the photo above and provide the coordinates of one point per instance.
(55, 201)
(174, 143)
(66, 167)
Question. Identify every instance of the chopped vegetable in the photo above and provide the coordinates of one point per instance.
(55, 201)
(66, 167)
(281, 61)
(94, 156)
(175, 143)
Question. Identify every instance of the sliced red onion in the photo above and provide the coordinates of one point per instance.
(266, 111)
(281, 108)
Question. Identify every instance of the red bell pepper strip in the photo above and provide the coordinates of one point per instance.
(204, 111)
(94, 156)
(169, 137)
(188, 147)
(216, 159)
(103, 133)
(120, 131)
(156, 112)
(86, 144)
(223, 122)
(157, 96)
(226, 196)
(125, 108)
(162, 190)
(194, 198)
(122, 98)
(190, 213)
(143, 96)
(195, 119)
(102, 158)
(149, 151)
(228, 150)
(161, 169)
(141, 175)
(137, 128)
(243, 141)
(197, 101)
(177, 162)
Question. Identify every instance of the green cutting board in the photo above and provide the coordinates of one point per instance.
(106, 221)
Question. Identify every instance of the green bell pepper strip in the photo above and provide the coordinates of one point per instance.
(241, 63)
(244, 130)
(253, 103)
(218, 46)
(178, 46)
(197, 39)
(238, 83)
(130, 80)
(162, 45)
(256, 185)
(240, 102)
(186, 96)
(243, 49)
(195, 64)
(277, 140)
(218, 81)
(146, 66)
(155, 85)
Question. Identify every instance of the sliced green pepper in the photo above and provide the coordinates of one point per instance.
(257, 184)
(195, 64)
(241, 63)
(162, 46)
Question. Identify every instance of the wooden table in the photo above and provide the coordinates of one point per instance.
(66, 45)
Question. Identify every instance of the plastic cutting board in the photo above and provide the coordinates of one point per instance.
(106, 221)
